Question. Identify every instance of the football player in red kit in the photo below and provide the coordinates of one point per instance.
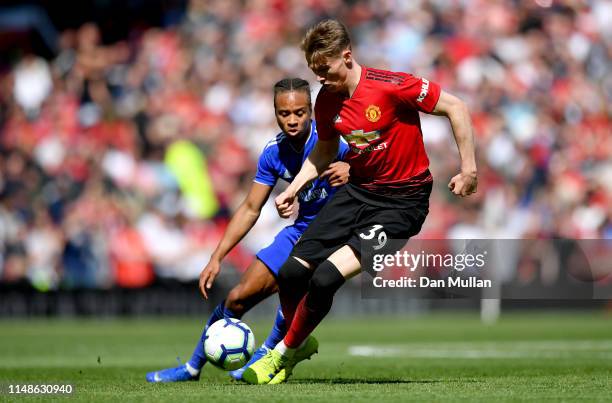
(387, 198)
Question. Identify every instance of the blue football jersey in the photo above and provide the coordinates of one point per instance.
(279, 160)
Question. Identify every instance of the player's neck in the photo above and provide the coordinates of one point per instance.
(354, 75)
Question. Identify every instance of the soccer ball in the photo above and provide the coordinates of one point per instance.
(229, 344)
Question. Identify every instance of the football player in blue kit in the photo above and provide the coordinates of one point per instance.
(282, 158)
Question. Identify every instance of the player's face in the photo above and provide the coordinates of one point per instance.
(332, 73)
(293, 112)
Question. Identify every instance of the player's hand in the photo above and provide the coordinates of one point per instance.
(208, 276)
(463, 184)
(286, 204)
(337, 173)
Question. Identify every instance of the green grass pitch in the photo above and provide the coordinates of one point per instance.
(439, 357)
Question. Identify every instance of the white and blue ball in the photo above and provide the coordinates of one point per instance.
(229, 344)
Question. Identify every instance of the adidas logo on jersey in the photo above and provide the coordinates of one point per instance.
(337, 119)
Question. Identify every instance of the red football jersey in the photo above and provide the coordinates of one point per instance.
(381, 124)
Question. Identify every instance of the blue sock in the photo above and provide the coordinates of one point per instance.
(279, 330)
(198, 358)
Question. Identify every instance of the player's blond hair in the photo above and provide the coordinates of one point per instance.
(327, 38)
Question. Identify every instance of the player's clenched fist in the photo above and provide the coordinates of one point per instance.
(463, 184)
(285, 204)
(208, 275)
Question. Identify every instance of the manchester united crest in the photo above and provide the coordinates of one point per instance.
(373, 113)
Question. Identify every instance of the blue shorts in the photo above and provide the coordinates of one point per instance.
(275, 254)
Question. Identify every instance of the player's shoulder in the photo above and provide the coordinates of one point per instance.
(385, 78)
(327, 104)
(327, 97)
(271, 148)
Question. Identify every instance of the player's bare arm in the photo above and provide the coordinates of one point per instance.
(241, 223)
(337, 174)
(465, 182)
(318, 161)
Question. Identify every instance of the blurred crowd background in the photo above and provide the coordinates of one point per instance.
(129, 134)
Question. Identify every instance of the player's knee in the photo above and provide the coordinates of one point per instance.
(293, 273)
(326, 279)
(236, 300)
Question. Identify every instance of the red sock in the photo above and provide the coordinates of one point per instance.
(305, 321)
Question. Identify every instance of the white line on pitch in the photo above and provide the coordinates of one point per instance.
(475, 350)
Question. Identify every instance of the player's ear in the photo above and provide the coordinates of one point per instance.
(347, 56)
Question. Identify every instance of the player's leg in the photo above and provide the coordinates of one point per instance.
(383, 231)
(331, 228)
(293, 278)
(273, 256)
(277, 365)
(256, 284)
(328, 277)
(396, 226)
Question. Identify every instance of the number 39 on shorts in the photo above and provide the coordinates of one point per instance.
(382, 236)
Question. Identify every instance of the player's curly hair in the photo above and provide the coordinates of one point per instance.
(327, 38)
(292, 84)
